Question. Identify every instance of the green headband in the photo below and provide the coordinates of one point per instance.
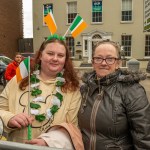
(55, 36)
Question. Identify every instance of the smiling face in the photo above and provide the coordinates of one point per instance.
(53, 59)
(103, 51)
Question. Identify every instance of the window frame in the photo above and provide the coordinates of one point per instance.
(127, 45)
(97, 16)
(85, 47)
(127, 15)
(73, 14)
(71, 45)
(147, 44)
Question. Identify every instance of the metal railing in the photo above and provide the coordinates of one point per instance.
(6, 145)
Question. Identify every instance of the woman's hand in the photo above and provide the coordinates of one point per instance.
(20, 120)
(39, 142)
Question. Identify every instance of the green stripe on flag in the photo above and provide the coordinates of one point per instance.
(75, 22)
(26, 62)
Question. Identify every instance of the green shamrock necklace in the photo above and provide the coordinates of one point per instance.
(56, 100)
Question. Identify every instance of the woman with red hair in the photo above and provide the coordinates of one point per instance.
(55, 97)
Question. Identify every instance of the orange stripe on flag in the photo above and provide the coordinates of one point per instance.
(50, 23)
(18, 74)
(79, 29)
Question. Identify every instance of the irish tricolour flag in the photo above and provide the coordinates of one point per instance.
(49, 20)
(77, 26)
(22, 70)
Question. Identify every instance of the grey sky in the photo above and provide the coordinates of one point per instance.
(27, 15)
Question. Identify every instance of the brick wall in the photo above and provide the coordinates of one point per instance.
(11, 26)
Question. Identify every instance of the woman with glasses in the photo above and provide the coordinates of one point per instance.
(115, 112)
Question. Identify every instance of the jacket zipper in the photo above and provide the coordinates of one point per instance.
(93, 122)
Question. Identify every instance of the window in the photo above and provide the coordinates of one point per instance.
(85, 53)
(147, 45)
(126, 43)
(85, 46)
(126, 10)
(72, 11)
(71, 45)
(96, 10)
(46, 10)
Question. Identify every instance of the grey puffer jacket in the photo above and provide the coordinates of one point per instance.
(115, 112)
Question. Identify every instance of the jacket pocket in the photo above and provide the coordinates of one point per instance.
(113, 146)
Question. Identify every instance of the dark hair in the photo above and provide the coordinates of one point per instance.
(72, 80)
(114, 44)
(17, 53)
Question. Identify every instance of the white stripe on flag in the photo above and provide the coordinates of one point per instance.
(77, 26)
(23, 70)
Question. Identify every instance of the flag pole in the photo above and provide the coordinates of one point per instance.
(66, 32)
(69, 26)
(46, 16)
(29, 89)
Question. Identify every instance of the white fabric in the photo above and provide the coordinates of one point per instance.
(58, 137)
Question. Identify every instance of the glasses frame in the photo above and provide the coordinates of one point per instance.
(102, 59)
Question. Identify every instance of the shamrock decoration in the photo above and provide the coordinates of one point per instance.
(55, 36)
(56, 100)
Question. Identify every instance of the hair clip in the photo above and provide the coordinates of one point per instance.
(55, 36)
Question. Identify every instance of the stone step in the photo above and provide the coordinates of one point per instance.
(86, 65)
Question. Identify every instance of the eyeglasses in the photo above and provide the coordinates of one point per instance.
(109, 60)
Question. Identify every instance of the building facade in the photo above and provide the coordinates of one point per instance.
(11, 26)
(120, 21)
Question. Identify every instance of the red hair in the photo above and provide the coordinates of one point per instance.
(72, 80)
